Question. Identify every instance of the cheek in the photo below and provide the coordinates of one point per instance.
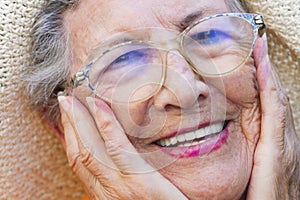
(241, 86)
(139, 120)
(130, 116)
(242, 90)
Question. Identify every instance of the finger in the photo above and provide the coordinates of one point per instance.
(94, 186)
(72, 149)
(91, 146)
(122, 152)
(268, 149)
(272, 96)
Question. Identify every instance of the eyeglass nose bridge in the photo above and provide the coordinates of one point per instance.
(171, 44)
(175, 44)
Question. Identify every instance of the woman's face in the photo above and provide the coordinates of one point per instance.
(217, 166)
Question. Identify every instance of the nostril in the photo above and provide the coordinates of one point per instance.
(170, 107)
(165, 99)
(203, 88)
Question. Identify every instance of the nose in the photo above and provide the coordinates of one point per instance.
(182, 88)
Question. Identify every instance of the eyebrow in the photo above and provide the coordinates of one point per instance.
(95, 51)
(189, 19)
(204, 12)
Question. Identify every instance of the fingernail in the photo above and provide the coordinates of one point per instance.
(264, 37)
(63, 102)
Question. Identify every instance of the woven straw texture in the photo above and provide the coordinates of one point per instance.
(283, 27)
(32, 162)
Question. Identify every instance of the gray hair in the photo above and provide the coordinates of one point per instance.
(51, 56)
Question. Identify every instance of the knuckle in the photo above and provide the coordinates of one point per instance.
(73, 160)
(283, 97)
(115, 150)
(105, 125)
(86, 158)
(114, 146)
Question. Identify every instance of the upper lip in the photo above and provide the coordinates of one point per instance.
(186, 130)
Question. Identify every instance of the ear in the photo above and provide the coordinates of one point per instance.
(57, 129)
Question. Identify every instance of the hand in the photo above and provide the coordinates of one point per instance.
(96, 148)
(276, 170)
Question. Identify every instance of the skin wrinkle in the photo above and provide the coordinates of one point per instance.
(89, 32)
(102, 28)
(40, 98)
(41, 75)
(203, 177)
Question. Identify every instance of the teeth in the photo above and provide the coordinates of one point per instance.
(194, 143)
(167, 142)
(180, 138)
(163, 143)
(188, 144)
(200, 133)
(188, 138)
(173, 140)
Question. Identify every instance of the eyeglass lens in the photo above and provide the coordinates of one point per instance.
(134, 72)
(219, 45)
(129, 73)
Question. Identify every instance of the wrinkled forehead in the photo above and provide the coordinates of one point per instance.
(95, 21)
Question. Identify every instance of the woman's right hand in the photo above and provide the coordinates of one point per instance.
(96, 148)
(276, 166)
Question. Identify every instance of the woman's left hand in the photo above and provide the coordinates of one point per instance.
(276, 170)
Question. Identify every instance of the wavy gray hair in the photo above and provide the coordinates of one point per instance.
(52, 59)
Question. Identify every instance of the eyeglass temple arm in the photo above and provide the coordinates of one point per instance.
(79, 77)
(259, 21)
(75, 81)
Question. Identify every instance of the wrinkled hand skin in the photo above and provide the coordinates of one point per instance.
(98, 160)
(276, 168)
(94, 148)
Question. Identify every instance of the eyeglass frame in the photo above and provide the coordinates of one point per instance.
(256, 21)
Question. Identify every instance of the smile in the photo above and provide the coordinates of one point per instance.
(192, 138)
(197, 142)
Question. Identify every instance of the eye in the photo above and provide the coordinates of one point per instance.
(210, 37)
(129, 58)
(134, 59)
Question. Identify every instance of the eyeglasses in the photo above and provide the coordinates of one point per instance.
(135, 70)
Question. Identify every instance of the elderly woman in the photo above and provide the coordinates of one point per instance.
(165, 99)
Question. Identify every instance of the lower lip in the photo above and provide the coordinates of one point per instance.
(205, 148)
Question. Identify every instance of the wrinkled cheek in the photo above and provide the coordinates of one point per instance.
(241, 86)
(245, 94)
(251, 122)
(241, 89)
(139, 120)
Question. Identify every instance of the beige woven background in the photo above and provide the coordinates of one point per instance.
(32, 162)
